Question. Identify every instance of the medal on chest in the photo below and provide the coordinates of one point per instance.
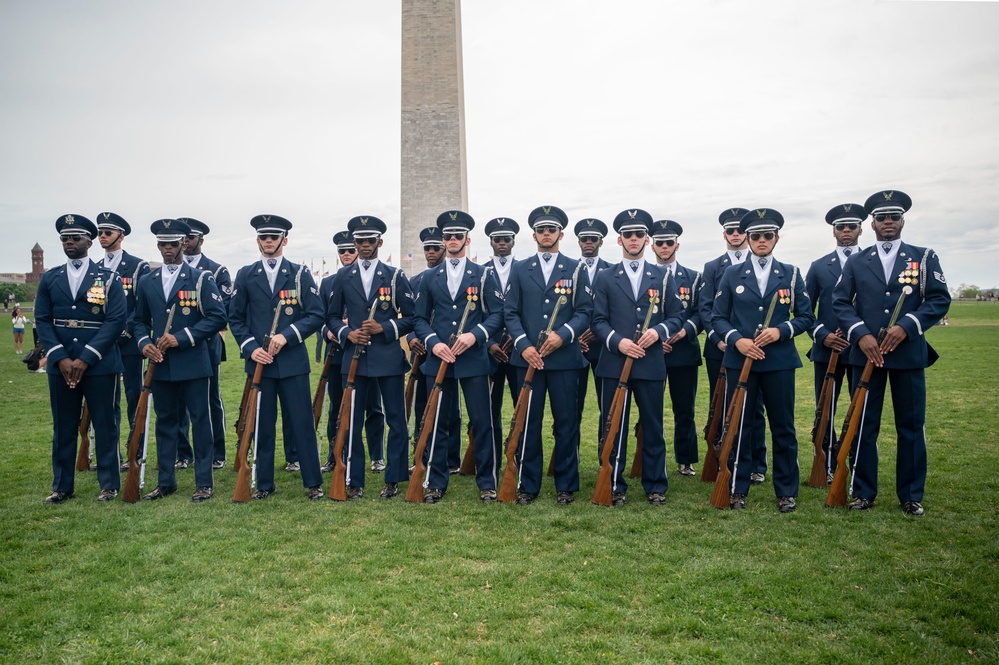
(96, 295)
(563, 287)
(385, 296)
(654, 300)
(784, 296)
(910, 274)
(472, 295)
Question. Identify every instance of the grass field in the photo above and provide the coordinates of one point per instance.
(288, 580)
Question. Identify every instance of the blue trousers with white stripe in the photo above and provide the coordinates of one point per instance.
(560, 387)
(648, 395)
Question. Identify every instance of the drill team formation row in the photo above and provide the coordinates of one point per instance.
(394, 347)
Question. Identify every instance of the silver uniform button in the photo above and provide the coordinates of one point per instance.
(886, 311)
(73, 307)
(760, 308)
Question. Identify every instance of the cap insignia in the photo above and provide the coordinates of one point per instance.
(632, 213)
(547, 209)
(453, 216)
(589, 222)
(69, 219)
(500, 222)
(364, 221)
(888, 195)
(847, 206)
(761, 213)
(107, 215)
(166, 223)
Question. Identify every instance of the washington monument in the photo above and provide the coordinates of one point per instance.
(433, 120)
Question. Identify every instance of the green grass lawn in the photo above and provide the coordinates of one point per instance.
(288, 580)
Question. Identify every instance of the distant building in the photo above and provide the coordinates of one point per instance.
(12, 277)
(37, 265)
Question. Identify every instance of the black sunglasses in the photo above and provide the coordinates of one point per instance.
(668, 243)
(433, 248)
(108, 232)
(168, 243)
(349, 250)
(881, 216)
(546, 228)
(847, 225)
(503, 238)
(193, 237)
(628, 235)
(270, 236)
(70, 238)
(366, 241)
(766, 235)
(454, 236)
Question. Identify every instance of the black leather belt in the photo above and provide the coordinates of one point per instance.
(77, 323)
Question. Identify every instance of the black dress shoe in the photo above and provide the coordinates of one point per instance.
(525, 498)
(453, 470)
(737, 502)
(913, 508)
(389, 491)
(314, 493)
(326, 468)
(259, 495)
(861, 504)
(181, 464)
(58, 497)
(757, 478)
(218, 464)
(201, 494)
(433, 496)
(377, 466)
(618, 499)
(487, 496)
(107, 495)
(122, 467)
(657, 498)
(786, 504)
(159, 493)
(354, 493)
(686, 470)
(565, 498)
(292, 467)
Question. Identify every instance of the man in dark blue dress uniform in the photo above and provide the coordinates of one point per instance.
(433, 252)
(741, 304)
(358, 287)
(863, 300)
(184, 363)
(275, 284)
(112, 229)
(736, 253)
(446, 293)
(622, 298)
(683, 354)
(193, 257)
(590, 233)
(826, 335)
(374, 419)
(536, 286)
(79, 315)
(502, 232)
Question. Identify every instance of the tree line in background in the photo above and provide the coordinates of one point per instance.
(23, 293)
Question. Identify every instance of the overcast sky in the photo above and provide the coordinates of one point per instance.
(223, 110)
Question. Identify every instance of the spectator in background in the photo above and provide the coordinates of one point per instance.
(18, 321)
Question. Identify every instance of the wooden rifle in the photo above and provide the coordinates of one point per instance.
(721, 495)
(319, 399)
(244, 479)
(508, 486)
(345, 421)
(240, 424)
(615, 415)
(710, 471)
(417, 479)
(636, 464)
(414, 376)
(140, 426)
(837, 491)
(467, 467)
(823, 417)
(83, 454)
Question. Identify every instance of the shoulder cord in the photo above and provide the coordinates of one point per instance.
(575, 282)
(482, 290)
(922, 273)
(197, 289)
